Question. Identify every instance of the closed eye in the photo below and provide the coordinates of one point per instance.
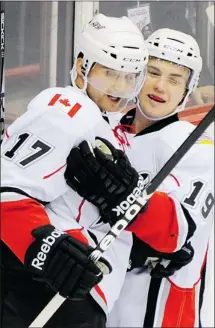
(153, 73)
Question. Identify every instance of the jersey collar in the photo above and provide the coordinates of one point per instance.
(128, 119)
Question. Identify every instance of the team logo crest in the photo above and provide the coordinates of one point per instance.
(146, 178)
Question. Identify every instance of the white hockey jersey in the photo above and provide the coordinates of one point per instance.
(173, 302)
(34, 191)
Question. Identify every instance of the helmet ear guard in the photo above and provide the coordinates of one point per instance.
(86, 67)
(190, 88)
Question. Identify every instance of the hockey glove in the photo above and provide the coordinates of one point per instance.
(62, 262)
(104, 177)
(172, 262)
(159, 264)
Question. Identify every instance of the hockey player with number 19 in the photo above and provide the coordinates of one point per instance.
(175, 301)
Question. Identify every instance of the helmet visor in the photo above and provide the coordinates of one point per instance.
(115, 83)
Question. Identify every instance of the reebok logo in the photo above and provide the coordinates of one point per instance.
(39, 260)
(187, 250)
(130, 208)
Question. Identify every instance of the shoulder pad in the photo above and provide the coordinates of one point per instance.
(68, 100)
(176, 133)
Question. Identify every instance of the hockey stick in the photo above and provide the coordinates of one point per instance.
(105, 243)
(2, 119)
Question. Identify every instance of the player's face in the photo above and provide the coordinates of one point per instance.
(164, 87)
(111, 89)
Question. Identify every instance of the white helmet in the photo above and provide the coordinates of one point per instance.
(115, 43)
(179, 48)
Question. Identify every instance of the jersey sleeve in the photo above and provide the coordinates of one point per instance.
(158, 225)
(184, 201)
(34, 157)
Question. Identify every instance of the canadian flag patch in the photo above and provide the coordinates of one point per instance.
(64, 103)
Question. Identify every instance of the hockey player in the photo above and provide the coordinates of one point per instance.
(176, 301)
(177, 221)
(45, 225)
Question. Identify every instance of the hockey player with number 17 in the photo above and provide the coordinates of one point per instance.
(48, 230)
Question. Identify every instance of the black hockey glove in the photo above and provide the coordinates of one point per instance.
(62, 262)
(175, 262)
(159, 264)
(104, 177)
